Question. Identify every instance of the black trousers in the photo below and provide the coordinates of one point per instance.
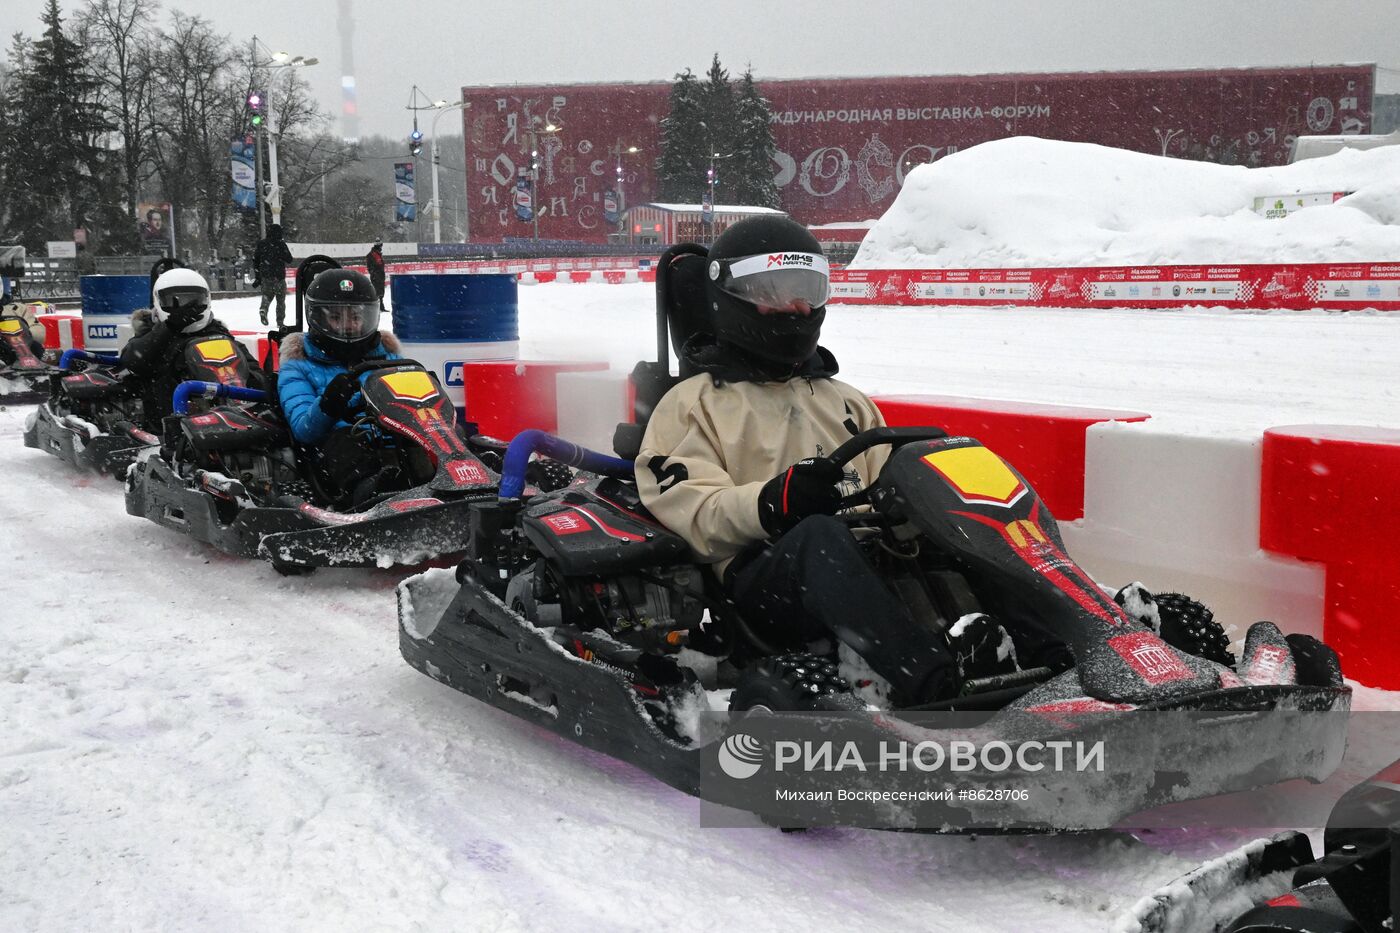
(350, 462)
(815, 582)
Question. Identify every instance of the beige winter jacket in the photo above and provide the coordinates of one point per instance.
(708, 450)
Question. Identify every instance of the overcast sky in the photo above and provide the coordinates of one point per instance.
(442, 45)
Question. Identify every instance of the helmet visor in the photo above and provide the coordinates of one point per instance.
(344, 320)
(775, 281)
(179, 297)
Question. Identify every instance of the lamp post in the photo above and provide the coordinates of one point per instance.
(618, 187)
(710, 182)
(273, 195)
(442, 107)
(534, 134)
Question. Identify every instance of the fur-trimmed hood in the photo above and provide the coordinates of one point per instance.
(294, 347)
(141, 320)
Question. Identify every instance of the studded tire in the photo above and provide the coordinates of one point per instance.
(1189, 626)
(792, 683)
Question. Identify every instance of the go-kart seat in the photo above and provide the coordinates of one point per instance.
(681, 291)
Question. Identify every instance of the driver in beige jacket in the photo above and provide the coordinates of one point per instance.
(735, 461)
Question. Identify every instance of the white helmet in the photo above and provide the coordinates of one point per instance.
(180, 288)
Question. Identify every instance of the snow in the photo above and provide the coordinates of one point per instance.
(1025, 201)
(193, 741)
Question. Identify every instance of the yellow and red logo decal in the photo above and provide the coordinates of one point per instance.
(977, 475)
(416, 386)
(216, 351)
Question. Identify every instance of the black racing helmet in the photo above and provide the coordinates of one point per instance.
(342, 314)
(767, 282)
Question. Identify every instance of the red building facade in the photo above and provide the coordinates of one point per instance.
(845, 144)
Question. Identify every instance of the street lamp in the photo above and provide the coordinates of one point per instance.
(710, 181)
(273, 195)
(442, 107)
(534, 134)
(621, 200)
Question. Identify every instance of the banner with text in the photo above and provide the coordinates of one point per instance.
(405, 201)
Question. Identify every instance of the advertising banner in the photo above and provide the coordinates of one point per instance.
(1340, 286)
(242, 155)
(524, 196)
(846, 145)
(405, 201)
(157, 228)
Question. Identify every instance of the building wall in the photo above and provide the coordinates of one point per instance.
(845, 145)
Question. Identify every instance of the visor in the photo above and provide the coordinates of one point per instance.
(783, 281)
(344, 320)
(183, 296)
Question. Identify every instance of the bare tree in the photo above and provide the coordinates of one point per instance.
(194, 100)
(120, 55)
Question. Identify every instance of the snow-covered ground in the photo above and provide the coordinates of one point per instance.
(192, 742)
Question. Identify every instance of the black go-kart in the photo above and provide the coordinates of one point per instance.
(235, 478)
(577, 611)
(1278, 885)
(93, 416)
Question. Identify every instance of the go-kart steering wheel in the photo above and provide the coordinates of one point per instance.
(894, 437)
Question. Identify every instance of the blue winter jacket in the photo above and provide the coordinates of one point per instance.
(303, 374)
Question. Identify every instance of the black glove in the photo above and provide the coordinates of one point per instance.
(548, 475)
(335, 401)
(181, 318)
(808, 487)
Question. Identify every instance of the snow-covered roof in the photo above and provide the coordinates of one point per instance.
(719, 208)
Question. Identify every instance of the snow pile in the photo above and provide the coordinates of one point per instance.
(1037, 202)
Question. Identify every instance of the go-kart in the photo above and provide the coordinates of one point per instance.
(577, 611)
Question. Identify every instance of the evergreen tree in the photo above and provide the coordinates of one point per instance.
(750, 169)
(712, 125)
(67, 166)
(720, 124)
(681, 166)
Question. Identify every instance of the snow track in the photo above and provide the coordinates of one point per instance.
(193, 742)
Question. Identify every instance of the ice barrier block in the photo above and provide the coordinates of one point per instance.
(108, 301)
(62, 331)
(1044, 442)
(1329, 494)
(446, 321)
(591, 405)
(506, 397)
(1179, 511)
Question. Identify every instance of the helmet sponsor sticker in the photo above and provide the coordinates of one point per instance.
(765, 262)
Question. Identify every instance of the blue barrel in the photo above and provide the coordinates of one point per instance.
(108, 301)
(445, 321)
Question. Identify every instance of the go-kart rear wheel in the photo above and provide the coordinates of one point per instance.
(792, 682)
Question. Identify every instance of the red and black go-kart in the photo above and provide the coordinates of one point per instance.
(572, 608)
(24, 376)
(94, 417)
(233, 477)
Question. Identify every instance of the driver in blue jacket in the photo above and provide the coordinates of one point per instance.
(319, 396)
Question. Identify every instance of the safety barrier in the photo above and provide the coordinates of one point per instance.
(1329, 495)
(1340, 286)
